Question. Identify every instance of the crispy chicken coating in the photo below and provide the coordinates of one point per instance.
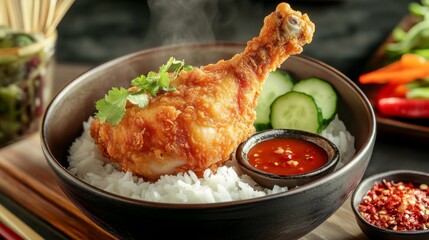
(211, 112)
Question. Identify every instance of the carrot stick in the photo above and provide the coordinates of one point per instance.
(396, 77)
(409, 68)
(412, 60)
(398, 65)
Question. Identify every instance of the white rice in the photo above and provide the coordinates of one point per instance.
(228, 184)
(336, 132)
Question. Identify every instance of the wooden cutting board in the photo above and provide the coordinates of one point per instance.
(27, 179)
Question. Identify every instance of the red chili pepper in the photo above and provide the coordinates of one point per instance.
(392, 90)
(400, 206)
(403, 107)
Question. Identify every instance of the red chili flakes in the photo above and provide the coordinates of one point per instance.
(397, 206)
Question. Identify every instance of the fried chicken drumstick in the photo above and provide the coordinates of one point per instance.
(210, 113)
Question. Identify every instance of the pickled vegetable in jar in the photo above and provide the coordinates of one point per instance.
(25, 68)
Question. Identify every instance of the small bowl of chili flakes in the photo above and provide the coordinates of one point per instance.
(393, 205)
(286, 157)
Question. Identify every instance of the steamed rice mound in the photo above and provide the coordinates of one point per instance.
(227, 184)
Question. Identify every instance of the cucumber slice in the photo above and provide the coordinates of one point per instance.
(324, 95)
(277, 84)
(296, 110)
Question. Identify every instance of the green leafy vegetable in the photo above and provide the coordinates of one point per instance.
(415, 40)
(112, 107)
(139, 99)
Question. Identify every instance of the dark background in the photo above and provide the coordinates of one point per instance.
(347, 32)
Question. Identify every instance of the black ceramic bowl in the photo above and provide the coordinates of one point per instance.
(374, 232)
(287, 215)
(267, 179)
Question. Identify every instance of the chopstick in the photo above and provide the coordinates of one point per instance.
(8, 234)
(33, 16)
(17, 226)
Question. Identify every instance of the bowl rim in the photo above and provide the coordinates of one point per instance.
(60, 169)
(379, 176)
(292, 134)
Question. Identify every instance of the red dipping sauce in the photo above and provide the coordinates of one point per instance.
(284, 156)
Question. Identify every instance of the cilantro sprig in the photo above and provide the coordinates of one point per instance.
(111, 108)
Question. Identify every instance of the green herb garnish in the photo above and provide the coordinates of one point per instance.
(112, 107)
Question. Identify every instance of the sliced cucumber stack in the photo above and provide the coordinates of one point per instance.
(296, 110)
(308, 105)
(324, 95)
(277, 84)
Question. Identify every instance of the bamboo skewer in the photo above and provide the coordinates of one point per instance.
(36, 15)
(60, 11)
(50, 16)
(33, 16)
(11, 14)
(44, 5)
(25, 11)
(3, 14)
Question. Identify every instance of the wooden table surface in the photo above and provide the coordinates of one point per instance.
(27, 179)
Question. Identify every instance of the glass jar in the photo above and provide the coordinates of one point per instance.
(26, 72)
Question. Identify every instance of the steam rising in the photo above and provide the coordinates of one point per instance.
(181, 21)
